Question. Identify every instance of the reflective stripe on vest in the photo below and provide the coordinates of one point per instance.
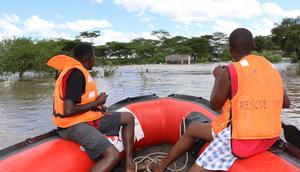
(64, 64)
(256, 106)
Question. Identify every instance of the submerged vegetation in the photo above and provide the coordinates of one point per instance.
(109, 70)
(20, 55)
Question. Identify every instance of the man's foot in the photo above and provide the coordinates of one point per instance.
(141, 167)
(155, 168)
(130, 167)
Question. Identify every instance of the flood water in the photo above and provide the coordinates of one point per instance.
(26, 106)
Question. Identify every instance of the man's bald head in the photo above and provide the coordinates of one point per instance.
(241, 41)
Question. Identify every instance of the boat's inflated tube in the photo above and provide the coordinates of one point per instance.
(158, 120)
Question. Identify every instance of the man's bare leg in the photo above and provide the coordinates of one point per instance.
(109, 159)
(127, 122)
(197, 168)
(193, 132)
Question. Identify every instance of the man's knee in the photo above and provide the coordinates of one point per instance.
(128, 114)
(191, 129)
(127, 118)
(199, 130)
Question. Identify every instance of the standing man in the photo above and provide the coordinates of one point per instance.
(79, 113)
(250, 94)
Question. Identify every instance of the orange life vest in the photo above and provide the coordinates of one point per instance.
(63, 64)
(256, 102)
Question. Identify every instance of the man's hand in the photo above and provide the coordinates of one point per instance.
(103, 108)
(218, 71)
(101, 99)
(71, 108)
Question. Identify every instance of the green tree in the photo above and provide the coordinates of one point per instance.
(101, 50)
(219, 42)
(184, 50)
(18, 57)
(162, 35)
(44, 49)
(176, 45)
(225, 55)
(201, 48)
(117, 50)
(143, 48)
(89, 34)
(263, 43)
(286, 35)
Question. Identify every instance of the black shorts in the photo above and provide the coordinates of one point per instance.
(110, 124)
(93, 140)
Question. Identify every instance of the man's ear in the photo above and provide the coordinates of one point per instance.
(231, 51)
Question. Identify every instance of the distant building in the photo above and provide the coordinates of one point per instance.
(179, 59)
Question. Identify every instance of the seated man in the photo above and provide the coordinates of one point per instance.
(79, 115)
(250, 93)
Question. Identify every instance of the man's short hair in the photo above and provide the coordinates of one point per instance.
(241, 40)
(82, 51)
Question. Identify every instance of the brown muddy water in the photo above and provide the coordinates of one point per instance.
(26, 106)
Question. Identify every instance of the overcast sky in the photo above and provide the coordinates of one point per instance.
(124, 20)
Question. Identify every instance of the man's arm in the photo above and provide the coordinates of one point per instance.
(286, 100)
(221, 88)
(71, 108)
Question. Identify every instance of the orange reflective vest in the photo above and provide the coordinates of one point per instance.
(63, 64)
(256, 102)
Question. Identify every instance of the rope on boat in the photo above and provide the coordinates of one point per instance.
(156, 157)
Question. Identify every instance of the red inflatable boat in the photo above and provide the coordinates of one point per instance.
(158, 121)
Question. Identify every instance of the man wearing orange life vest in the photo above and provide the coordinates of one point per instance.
(250, 94)
(79, 115)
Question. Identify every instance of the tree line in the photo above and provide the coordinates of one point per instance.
(19, 55)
